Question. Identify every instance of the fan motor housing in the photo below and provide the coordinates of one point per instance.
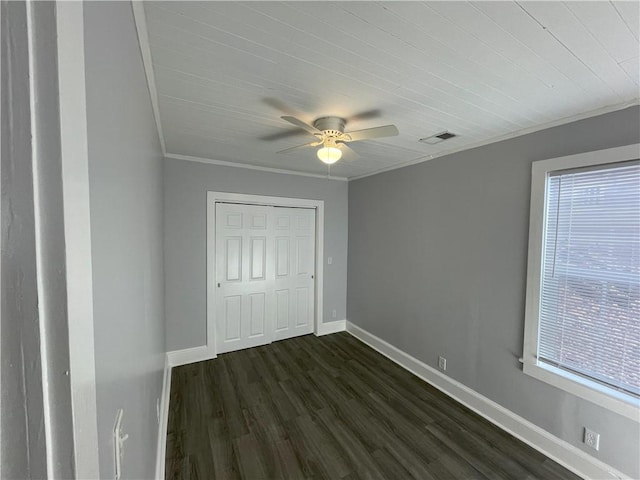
(331, 126)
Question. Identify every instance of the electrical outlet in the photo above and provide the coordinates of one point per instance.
(591, 439)
(334, 314)
(442, 363)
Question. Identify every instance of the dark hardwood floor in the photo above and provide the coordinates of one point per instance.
(330, 408)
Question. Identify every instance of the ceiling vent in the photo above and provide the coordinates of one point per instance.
(440, 137)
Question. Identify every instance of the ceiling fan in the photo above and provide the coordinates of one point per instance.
(330, 135)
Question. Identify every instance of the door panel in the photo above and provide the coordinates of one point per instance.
(282, 256)
(304, 262)
(245, 300)
(257, 314)
(259, 220)
(282, 310)
(232, 315)
(234, 220)
(282, 221)
(295, 269)
(233, 256)
(258, 258)
(302, 313)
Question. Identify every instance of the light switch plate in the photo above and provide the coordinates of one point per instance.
(442, 363)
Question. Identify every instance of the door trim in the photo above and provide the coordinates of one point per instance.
(212, 198)
(74, 157)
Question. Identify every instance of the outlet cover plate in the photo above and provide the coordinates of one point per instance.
(591, 439)
(442, 363)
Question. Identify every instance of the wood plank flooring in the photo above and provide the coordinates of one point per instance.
(330, 408)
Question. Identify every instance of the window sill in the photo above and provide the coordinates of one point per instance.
(608, 398)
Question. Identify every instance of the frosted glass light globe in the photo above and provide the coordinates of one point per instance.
(329, 155)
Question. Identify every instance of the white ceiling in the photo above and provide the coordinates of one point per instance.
(226, 71)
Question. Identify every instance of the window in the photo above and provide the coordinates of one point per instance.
(582, 325)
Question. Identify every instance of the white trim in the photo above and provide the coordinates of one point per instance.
(500, 138)
(212, 198)
(586, 159)
(163, 421)
(331, 327)
(140, 20)
(248, 166)
(600, 395)
(623, 405)
(558, 450)
(77, 230)
(176, 358)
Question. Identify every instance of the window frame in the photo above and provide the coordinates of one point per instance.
(614, 400)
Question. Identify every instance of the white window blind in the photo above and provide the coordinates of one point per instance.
(590, 291)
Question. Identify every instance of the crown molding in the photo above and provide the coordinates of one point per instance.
(282, 171)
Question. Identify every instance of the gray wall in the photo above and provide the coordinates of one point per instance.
(437, 266)
(186, 186)
(125, 175)
(35, 341)
(22, 435)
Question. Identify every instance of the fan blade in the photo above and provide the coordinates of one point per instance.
(279, 105)
(367, 115)
(375, 132)
(348, 153)
(301, 124)
(312, 144)
(292, 132)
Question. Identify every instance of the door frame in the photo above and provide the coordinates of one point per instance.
(248, 199)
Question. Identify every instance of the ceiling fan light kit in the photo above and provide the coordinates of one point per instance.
(329, 155)
(330, 135)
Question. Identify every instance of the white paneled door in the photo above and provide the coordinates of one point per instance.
(265, 258)
(295, 233)
(244, 300)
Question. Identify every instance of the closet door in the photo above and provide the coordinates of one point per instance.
(294, 271)
(244, 276)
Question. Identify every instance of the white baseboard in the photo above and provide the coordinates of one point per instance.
(558, 450)
(190, 355)
(163, 420)
(331, 327)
